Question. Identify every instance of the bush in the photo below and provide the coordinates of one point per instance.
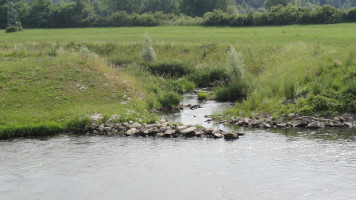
(169, 99)
(232, 92)
(185, 85)
(148, 54)
(11, 29)
(202, 96)
(173, 69)
(209, 76)
(318, 105)
(351, 15)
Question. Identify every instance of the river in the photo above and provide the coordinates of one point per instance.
(289, 164)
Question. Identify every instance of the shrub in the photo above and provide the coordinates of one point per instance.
(209, 76)
(232, 92)
(185, 85)
(202, 96)
(174, 69)
(148, 54)
(169, 99)
(11, 29)
(318, 104)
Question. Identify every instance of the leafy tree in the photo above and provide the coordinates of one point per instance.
(3, 15)
(270, 3)
(39, 13)
(130, 6)
(166, 6)
(200, 7)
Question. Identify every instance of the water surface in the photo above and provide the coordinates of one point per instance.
(288, 164)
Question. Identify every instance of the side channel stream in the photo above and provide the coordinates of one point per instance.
(197, 116)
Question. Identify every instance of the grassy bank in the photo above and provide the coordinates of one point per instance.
(55, 75)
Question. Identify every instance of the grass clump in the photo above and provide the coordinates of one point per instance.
(202, 96)
(169, 99)
(148, 54)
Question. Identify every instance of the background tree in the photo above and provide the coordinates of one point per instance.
(270, 3)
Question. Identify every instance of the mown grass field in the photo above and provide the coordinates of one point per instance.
(46, 77)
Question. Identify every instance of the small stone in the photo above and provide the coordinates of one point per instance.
(240, 134)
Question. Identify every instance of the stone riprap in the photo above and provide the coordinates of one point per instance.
(293, 121)
(112, 126)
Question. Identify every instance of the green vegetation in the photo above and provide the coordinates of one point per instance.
(202, 96)
(55, 77)
(118, 13)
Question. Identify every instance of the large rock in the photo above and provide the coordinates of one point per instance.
(132, 132)
(208, 131)
(300, 123)
(230, 136)
(95, 118)
(181, 128)
(169, 132)
(189, 131)
(217, 134)
(136, 126)
(315, 125)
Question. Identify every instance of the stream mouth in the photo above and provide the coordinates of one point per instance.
(198, 116)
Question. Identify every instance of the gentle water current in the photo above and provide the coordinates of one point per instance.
(260, 165)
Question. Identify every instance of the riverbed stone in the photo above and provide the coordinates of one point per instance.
(230, 136)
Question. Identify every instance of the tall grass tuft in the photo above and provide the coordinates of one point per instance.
(290, 89)
(234, 65)
(148, 54)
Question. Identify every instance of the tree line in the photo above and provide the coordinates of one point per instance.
(96, 13)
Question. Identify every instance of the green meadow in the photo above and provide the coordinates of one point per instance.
(57, 76)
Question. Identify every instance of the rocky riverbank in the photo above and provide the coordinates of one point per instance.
(112, 126)
(292, 121)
